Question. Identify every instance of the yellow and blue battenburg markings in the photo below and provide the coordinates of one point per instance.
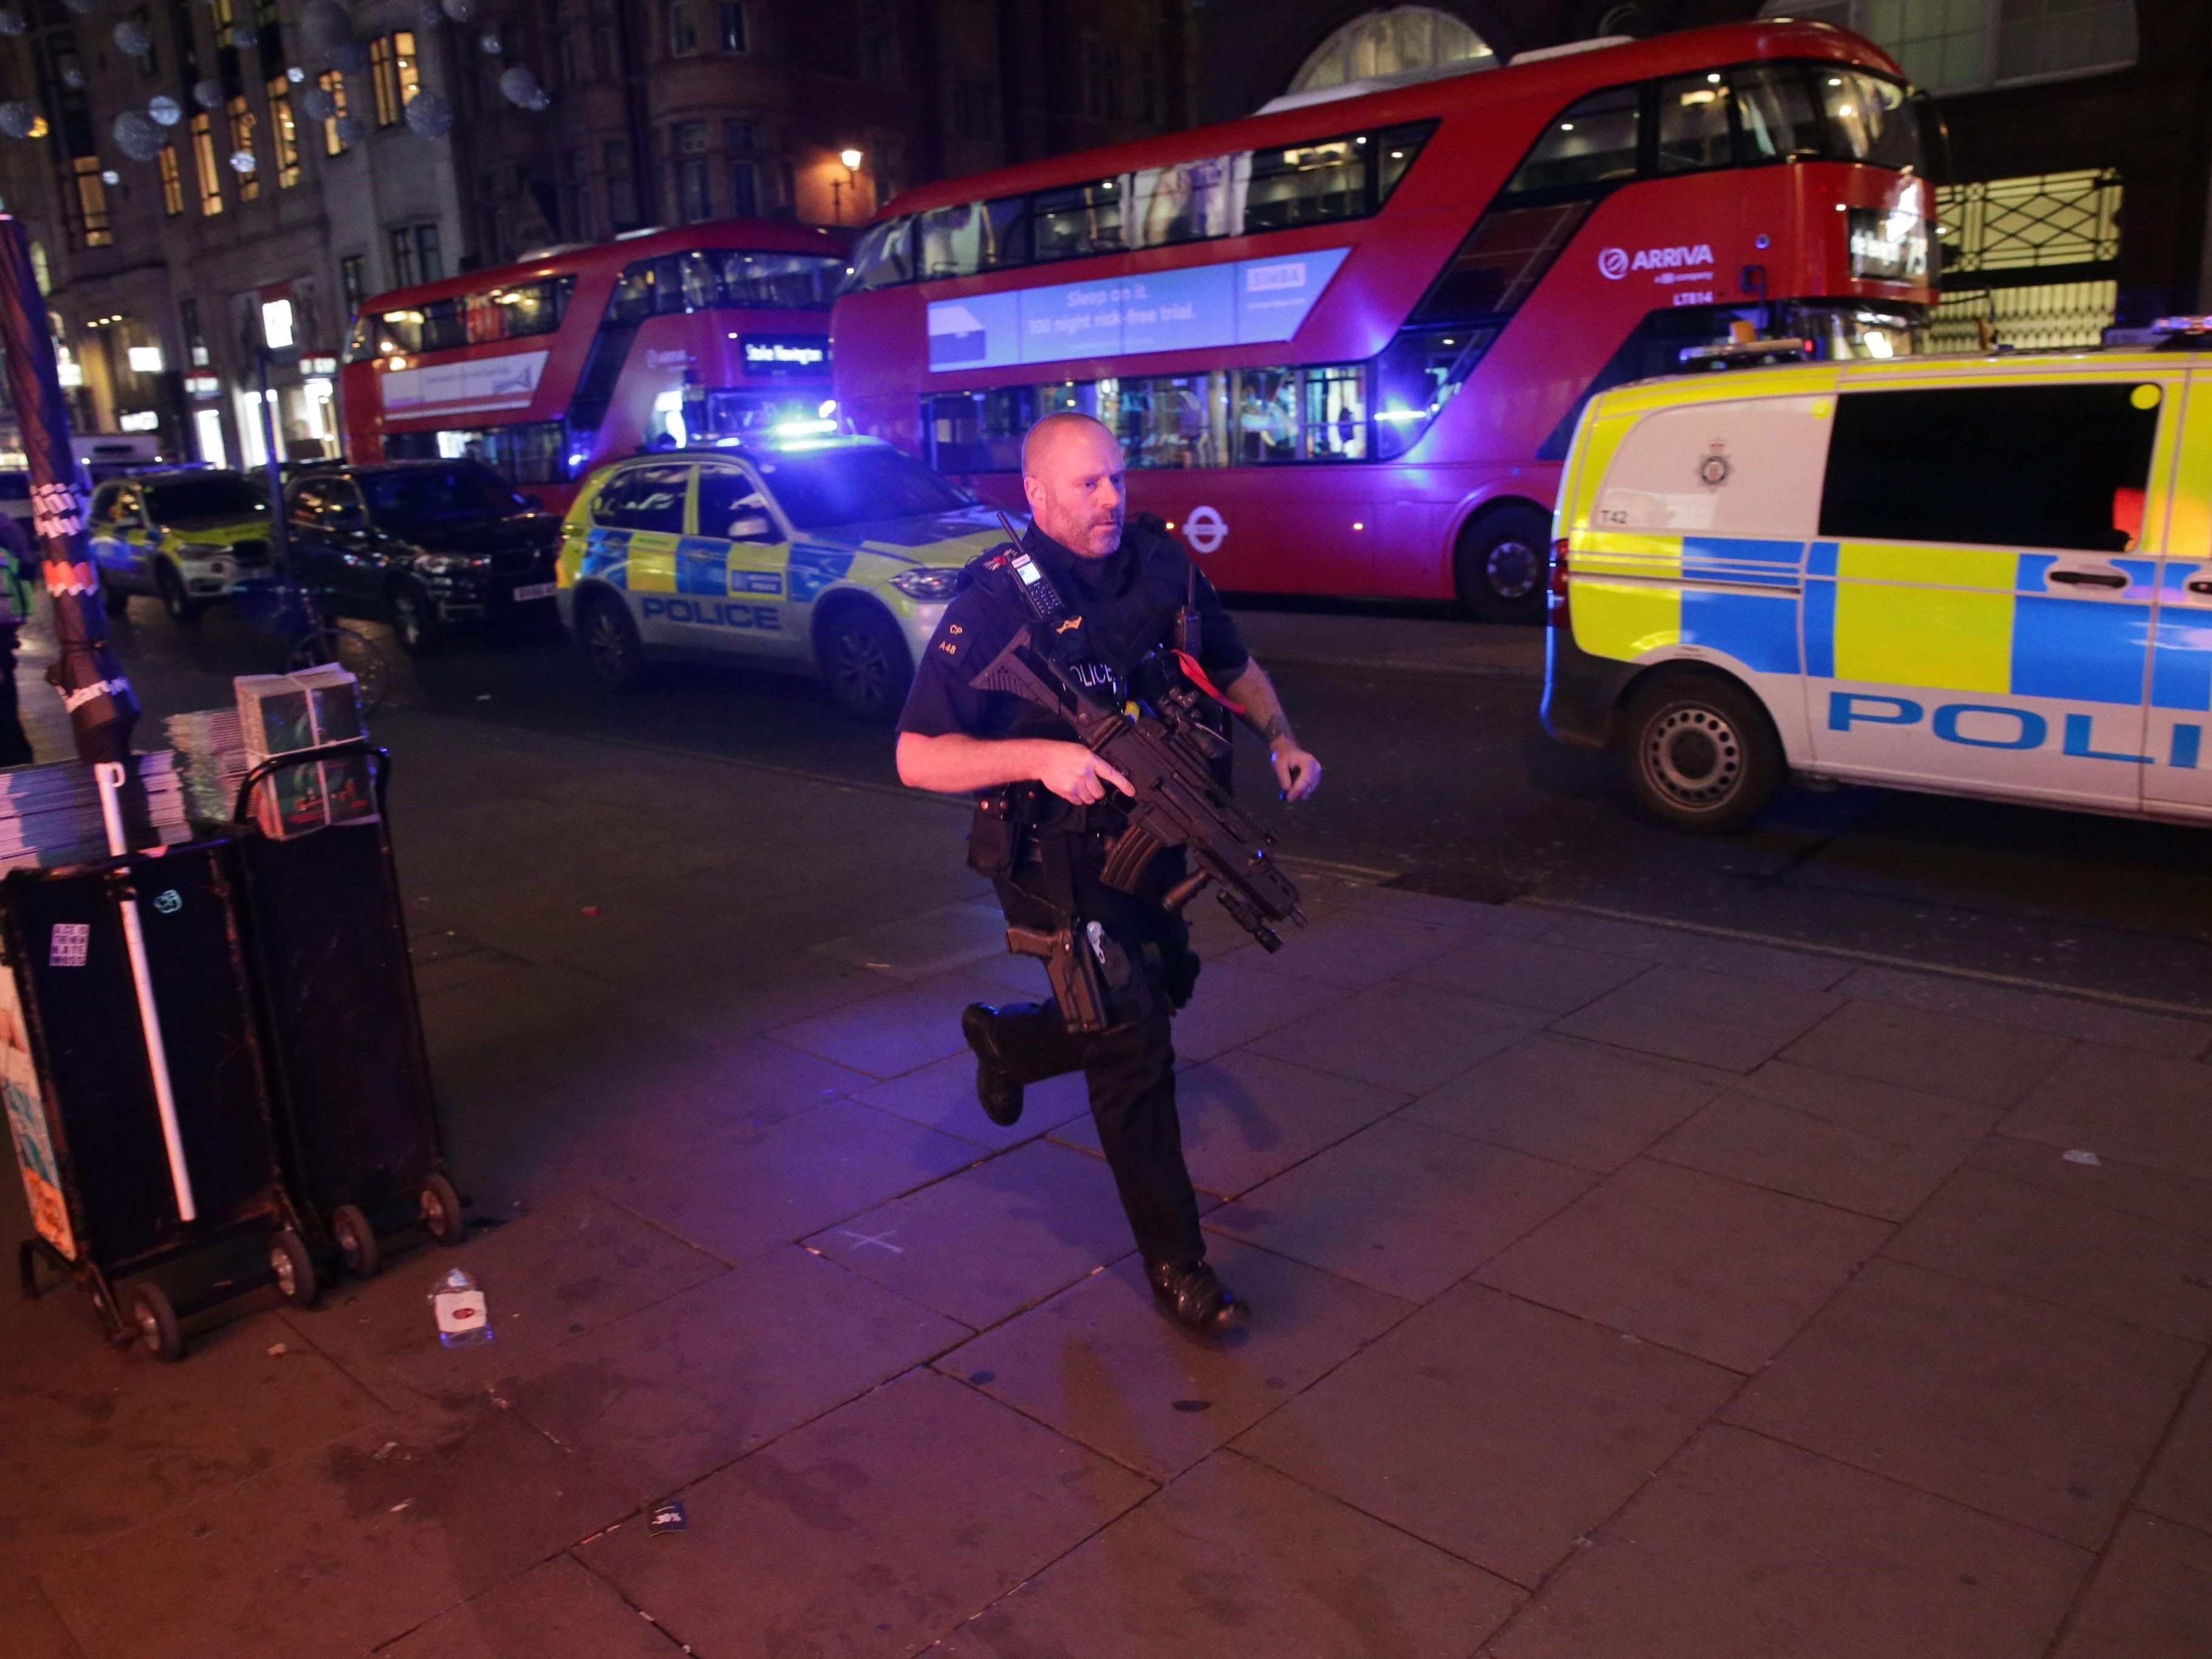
(606, 557)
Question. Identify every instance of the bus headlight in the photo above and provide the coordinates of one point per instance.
(930, 582)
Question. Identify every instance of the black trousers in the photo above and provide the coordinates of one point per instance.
(1131, 1068)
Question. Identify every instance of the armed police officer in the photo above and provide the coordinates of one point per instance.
(1050, 809)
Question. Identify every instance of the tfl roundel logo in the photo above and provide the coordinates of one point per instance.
(1613, 263)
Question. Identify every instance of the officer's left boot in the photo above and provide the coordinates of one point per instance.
(1191, 1294)
(997, 1089)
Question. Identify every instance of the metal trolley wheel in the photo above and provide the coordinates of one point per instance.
(294, 1269)
(154, 1320)
(442, 1210)
(356, 1239)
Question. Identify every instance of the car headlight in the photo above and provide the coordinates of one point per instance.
(202, 550)
(930, 582)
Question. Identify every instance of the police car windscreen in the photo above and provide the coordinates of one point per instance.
(851, 486)
(214, 495)
(428, 495)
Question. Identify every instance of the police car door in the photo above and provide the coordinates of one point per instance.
(110, 552)
(1986, 597)
(2179, 776)
(645, 505)
(745, 551)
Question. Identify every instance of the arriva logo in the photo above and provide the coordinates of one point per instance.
(1615, 263)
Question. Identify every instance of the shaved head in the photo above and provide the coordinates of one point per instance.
(1072, 472)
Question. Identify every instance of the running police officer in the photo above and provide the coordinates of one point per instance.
(1048, 811)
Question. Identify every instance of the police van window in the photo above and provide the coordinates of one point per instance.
(645, 498)
(1869, 119)
(1693, 122)
(1591, 143)
(731, 505)
(1774, 113)
(2061, 466)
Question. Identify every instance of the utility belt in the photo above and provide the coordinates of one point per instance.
(1011, 820)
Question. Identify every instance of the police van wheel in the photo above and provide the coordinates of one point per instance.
(864, 658)
(1701, 753)
(613, 655)
(1501, 564)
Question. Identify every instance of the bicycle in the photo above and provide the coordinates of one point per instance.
(322, 638)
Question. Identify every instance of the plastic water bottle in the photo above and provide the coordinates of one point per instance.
(459, 1307)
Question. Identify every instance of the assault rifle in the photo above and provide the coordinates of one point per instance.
(1166, 753)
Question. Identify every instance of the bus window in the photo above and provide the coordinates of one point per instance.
(1083, 219)
(959, 241)
(981, 431)
(633, 297)
(884, 255)
(794, 281)
(1868, 120)
(1693, 123)
(696, 277)
(1267, 416)
(1415, 376)
(1172, 421)
(1503, 257)
(1303, 184)
(392, 332)
(1336, 413)
(1395, 148)
(1188, 202)
(1774, 111)
(445, 323)
(1593, 143)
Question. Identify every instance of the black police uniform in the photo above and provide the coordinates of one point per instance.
(1128, 603)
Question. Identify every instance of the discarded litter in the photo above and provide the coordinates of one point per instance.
(591, 909)
(666, 1518)
(459, 1307)
(276, 1348)
(1194, 1405)
(2077, 1155)
(404, 1502)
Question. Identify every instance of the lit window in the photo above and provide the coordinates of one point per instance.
(683, 29)
(92, 203)
(393, 74)
(333, 83)
(286, 131)
(173, 182)
(730, 27)
(205, 164)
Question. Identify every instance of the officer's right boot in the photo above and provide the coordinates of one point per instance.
(997, 1088)
(1191, 1294)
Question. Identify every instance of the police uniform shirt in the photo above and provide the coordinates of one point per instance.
(1129, 601)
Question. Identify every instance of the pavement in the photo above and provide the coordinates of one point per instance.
(1619, 1291)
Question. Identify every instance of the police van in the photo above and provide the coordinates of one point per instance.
(829, 555)
(1974, 575)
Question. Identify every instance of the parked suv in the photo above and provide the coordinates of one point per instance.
(428, 546)
(189, 538)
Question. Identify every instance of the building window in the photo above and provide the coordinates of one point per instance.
(878, 32)
(333, 83)
(429, 253)
(602, 47)
(173, 182)
(404, 274)
(689, 138)
(91, 202)
(416, 255)
(682, 28)
(285, 130)
(695, 201)
(1389, 42)
(241, 114)
(1966, 45)
(1102, 77)
(352, 282)
(188, 322)
(392, 75)
(209, 173)
(150, 64)
(621, 188)
(744, 191)
(2043, 219)
(730, 27)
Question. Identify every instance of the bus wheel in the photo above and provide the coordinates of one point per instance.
(863, 656)
(613, 654)
(1500, 565)
(1700, 751)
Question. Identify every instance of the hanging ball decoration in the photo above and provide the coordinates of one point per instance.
(73, 78)
(17, 118)
(207, 94)
(137, 136)
(295, 75)
(242, 161)
(11, 20)
(430, 19)
(110, 176)
(243, 38)
(164, 110)
(350, 57)
(430, 115)
(539, 99)
(323, 24)
(459, 11)
(489, 44)
(317, 104)
(518, 85)
(132, 39)
(350, 129)
(82, 7)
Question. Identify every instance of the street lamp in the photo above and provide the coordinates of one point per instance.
(852, 159)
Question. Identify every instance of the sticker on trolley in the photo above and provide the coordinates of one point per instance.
(71, 943)
(168, 901)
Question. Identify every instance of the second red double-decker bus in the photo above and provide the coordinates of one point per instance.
(548, 367)
(1345, 342)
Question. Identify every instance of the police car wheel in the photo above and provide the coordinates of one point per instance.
(180, 605)
(414, 621)
(1701, 753)
(113, 599)
(613, 655)
(864, 658)
(1499, 567)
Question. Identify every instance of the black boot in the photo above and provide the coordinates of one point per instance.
(1193, 1295)
(996, 1088)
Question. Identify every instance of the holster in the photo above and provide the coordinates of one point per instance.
(1078, 984)
(994, 838)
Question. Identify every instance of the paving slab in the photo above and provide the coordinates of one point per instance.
(557, 1610)
(1405, 1208)
(667, 1395)
(744, 1195)
(1584, 1103)
(1236, 1003)
(35, 1629)
(2022, 1410)
(1411, 905)
(2180, 1483)
(1233, 1562)
(2181, 1202)
(886, 1035)
(1708, 1267)
(1742, 959)
(547, 1278)
(1493, 1429)
(1713, 1019)
(871, 1531)
(984, 1244)
(99, 1442)
(1100, 1364)
(1744, 1549)
(2039, 1011)
(335, 1552)
(1355, 949)
(1534, 973)
(1858, 1145)
(2001, 1231)
(1398, 1036)
(1966, 1059)
(916, 947)
(941, 1097)
(2148, 1109)
(778, 988)
(1247, 1118)
(2152, 1597)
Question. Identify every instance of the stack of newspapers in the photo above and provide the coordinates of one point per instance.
(210, 746)
(50, 815)
(283, 714)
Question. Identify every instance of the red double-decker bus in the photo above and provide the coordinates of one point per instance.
(1344, 341)
(548, 367)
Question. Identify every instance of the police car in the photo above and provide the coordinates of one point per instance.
(829, 554)
(187, 536)
(1975, 575)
